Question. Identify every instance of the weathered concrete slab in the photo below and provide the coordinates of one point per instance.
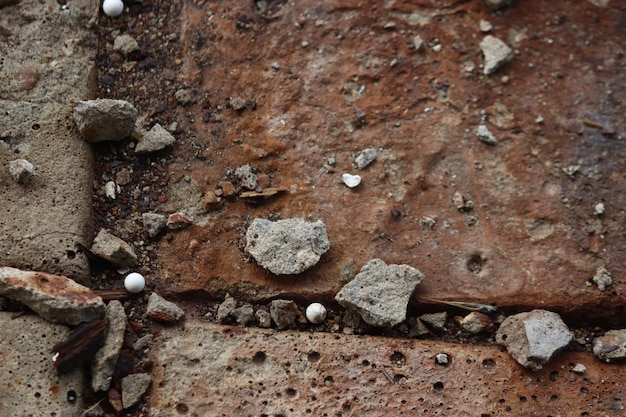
(43, 220)
(250, 372)
(30, 385)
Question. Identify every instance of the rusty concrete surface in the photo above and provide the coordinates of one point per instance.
(234, 371)
(327, 80)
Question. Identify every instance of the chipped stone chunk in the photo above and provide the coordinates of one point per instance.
(365, 158)
(133, 387)
(284, 313)
(113, 249)
(162, 310)
(484, 135)
(104, 119)
(380, 293)
(288, 246)
(53, 297)
(21, 170)
(153, 223)
(155, 139)
(496, 52)
(103, 364)
(125, 44)
(611, 347)
(602, 278)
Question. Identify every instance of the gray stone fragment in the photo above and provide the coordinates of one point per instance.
(143, 342)
(179, 220)
(496, 53)
(133, 387)
(244, 315)
(442, 359)
(612, 346)
(484, 135)
(104, 119)
(26, 368)
(226, 308)
(264, 318)
(380, 293)
(184, 96)
(21, 170)
(103, 364)
(153, 223)
(579, 368)
(162, 310)
(365, 158)
(113, 249)
(53, 297)
(497, 4)
(436, 321)
(248, 178)
(533, 338)
(476, 323)
(418, 329)
(155, 139)
(125, 44)
(284, 313)
(602, 278)
(288, 246)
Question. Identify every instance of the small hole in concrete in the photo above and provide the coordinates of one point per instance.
(584, 390)
(291, 392)
(71, 396)
(398, 358)
(365, 362)
(489, 363)
(554, 376)
(182, 408)
(70, 254)
(329, 381)
(313, 356)
(475, 263)
(522, 399)
(438, 386)
(259, 357)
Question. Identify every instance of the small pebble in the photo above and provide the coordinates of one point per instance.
(134, 283)
(485, 26)
(316, 313)
(113, 8)
(21, 170)
(598, 210)
(579, 368)
(26, 77)
(442, 359)
(351, 180)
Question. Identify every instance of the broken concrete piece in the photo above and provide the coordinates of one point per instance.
(153, 223)
(180, 220)
(602, 278)
(125, 44)
(380, 292)
(104, 119)
(103, 364)
(162, 310)
(484, 135)
(113, 249)
(284, 313)
(496, 52)
(226, 308)
(476, 323)
(288, 246)
(21, 170)
(249, 180)
(244, 315)
(133, 387)
(264, 318)
(436, 321)
(533, 338)
(612, 346)
(53, 297)
(365, 158)
(155, 139)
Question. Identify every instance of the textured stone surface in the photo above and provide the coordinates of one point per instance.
(289, 246)
(284, 313)
(153, 223)
(105, 119)
(55, 298)
(113, 249)
(21, 170)
(30, 385)
(125, 44)
(155, 139)
(246, 371)
(534, 338)
(380, 293)
(611, 346)
(133, 387)
(103, 364)
(162, 310)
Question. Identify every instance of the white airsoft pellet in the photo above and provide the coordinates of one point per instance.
(316, 313)
(134, 283)
(113, 8)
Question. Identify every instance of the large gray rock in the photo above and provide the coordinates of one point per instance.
(496, 52)
(288, 246)
(103, 364)
(611, 346)
(53, 297)
(30, 385)
(133, 387)
(380, 293)
(113, 249)
(533, 338)
(105, 119)
(155, 139)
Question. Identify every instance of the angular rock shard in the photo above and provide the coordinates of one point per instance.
(162, 310)
(103, 364)
(155, 139)
(288, 246)
(611, 346)
(380, 293)
(113, 249)
(104, 119)
(534, 338)
(496, 52)
(53, 297)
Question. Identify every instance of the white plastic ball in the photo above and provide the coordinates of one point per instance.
(134, 283)
(113, 8)
(316, 313)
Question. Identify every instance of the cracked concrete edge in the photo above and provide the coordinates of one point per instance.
(247, 371)
(47, 220)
